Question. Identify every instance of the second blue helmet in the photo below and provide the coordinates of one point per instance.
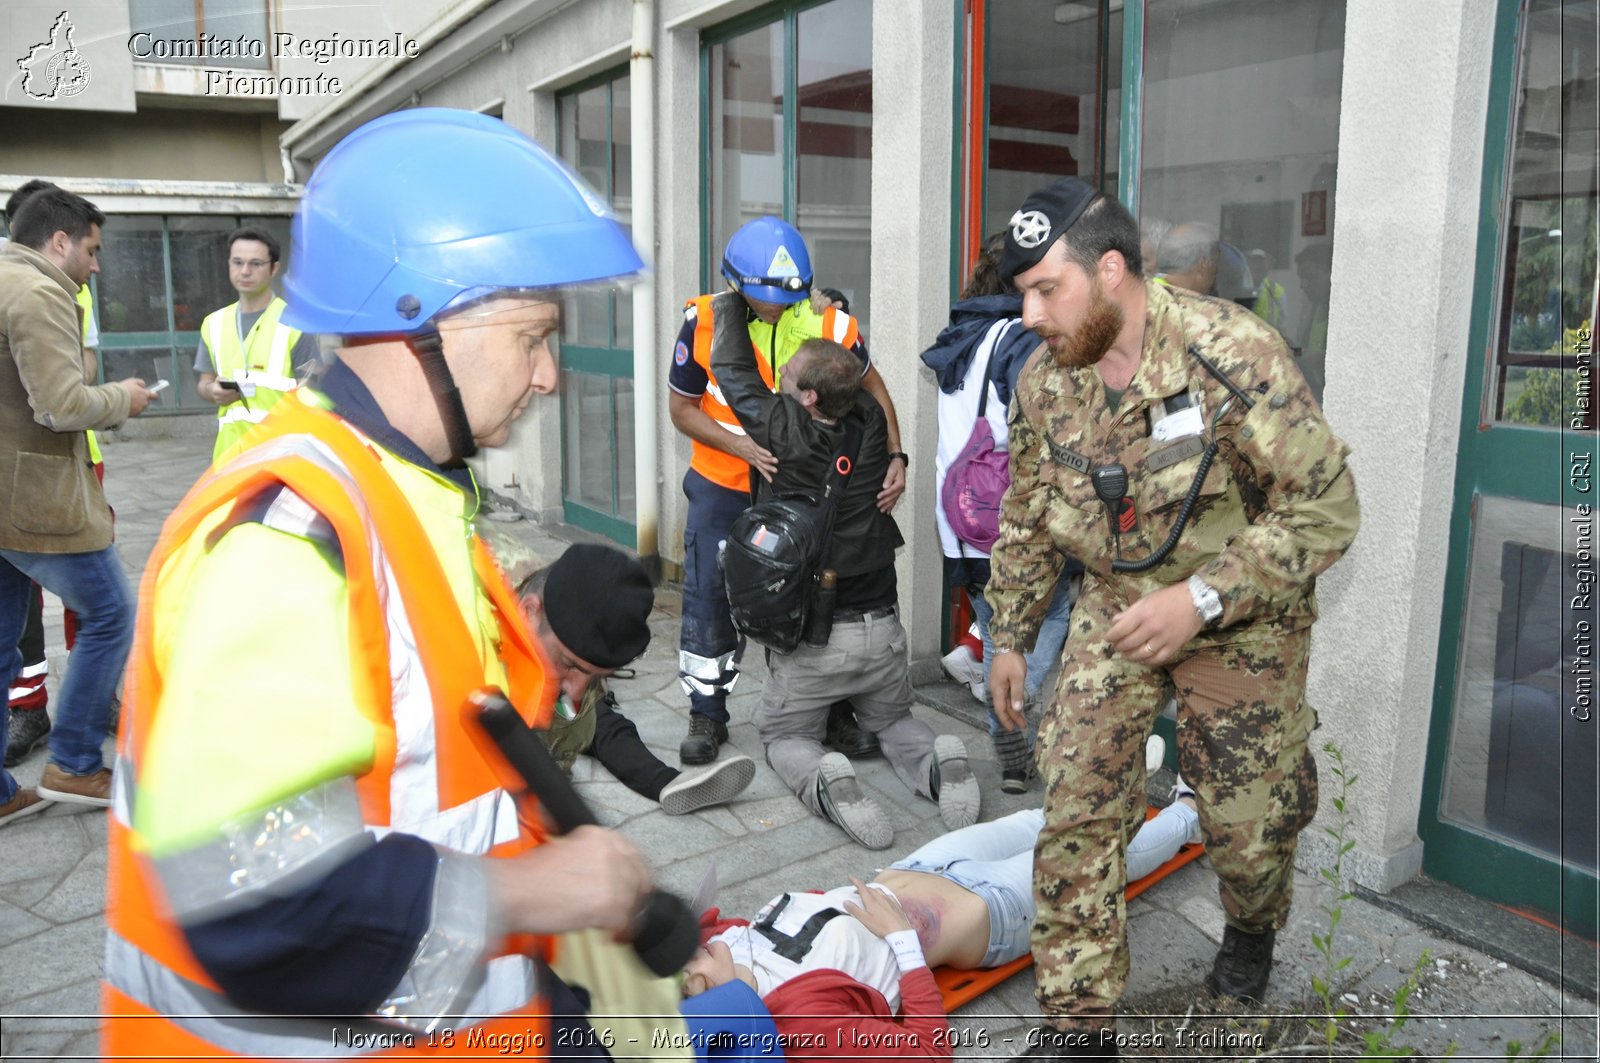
(767, 259)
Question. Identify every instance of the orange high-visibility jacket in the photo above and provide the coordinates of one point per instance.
(798, 324)
(414, 653)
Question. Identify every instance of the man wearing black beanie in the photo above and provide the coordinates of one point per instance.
(591, 613)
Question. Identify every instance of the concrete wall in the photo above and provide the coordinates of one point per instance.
(155, 145)
(327, 25)
(1401, 306)
(98, 78)
(912, 113)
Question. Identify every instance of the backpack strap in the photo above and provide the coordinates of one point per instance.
(834, 483)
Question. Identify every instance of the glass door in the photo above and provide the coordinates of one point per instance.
(1510, 794)
(597, 482)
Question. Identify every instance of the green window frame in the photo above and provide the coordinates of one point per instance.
(597, 341)
(799, 138)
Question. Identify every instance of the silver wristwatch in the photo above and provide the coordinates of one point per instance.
(1206, 601)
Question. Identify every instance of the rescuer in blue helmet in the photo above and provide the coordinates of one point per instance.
(768, 264)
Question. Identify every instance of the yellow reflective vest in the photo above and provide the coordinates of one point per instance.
(260, 361)
(86, 304)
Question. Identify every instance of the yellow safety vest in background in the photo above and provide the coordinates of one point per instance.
(86, 302)
(262, 359)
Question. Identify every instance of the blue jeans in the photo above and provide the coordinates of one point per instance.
(1046, 648)
(94, 586)
(995, 861)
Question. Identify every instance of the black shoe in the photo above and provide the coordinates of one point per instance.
(1243, 963)
(847, 736)
(28, 730)
(1049, 1043)
(705, 735)
(1014, 782)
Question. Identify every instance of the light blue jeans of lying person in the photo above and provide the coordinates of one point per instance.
(995, 861)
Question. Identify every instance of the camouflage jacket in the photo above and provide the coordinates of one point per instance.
(567, 738)
(1278, 505)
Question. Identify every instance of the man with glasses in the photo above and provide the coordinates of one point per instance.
(247, 357)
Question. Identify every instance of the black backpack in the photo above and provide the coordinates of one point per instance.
(777, 548)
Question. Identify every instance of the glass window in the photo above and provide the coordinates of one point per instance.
(1522, 756)
(595, 135)
(626, 495)
(1548, 292)
(587, 418)
(622, 198)
(833, 147)
(1048, 115)
(148, 364)
(199, 248)
(174, 29)
(810, 161)
(596, 139)
(1239, 156)
(747, 141)
(132, 282)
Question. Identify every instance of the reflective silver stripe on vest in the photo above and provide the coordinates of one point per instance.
(448, 968)
(238, 413)
(209, 1015)
(841, 327)
(268, 379)
(268, 855)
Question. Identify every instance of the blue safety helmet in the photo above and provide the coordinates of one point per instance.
(430, 207)
(767, 260)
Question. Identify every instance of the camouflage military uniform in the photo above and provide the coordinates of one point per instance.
(1277, 507)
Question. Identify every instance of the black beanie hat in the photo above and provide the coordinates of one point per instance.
(1041, 220)
(598, 601)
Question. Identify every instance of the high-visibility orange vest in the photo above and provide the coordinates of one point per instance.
(378, 531)
(798, 324)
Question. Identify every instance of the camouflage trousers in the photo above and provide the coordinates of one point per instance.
(1243, 727)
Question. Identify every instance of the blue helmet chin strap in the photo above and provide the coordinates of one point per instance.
(428, 347)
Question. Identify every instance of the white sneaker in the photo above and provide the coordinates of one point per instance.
(963, 666)
(1155, 754)
(715, 784)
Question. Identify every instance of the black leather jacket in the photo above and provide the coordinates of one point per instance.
(864, 539)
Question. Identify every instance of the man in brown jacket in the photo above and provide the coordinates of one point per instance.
(55, 526)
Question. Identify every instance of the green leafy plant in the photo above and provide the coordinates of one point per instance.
(1540, 1051)
(1380, 1043)
(1322, 985)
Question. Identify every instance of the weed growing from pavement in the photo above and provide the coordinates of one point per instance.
(1322, 985)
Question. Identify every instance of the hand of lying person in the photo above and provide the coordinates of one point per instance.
(878, 911)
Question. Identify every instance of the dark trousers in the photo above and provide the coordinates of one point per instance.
(620, 750)
(28, 690)
(708, 646)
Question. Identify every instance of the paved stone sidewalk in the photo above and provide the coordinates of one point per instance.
(52, 866)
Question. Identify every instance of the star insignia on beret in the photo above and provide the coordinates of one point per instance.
(1029, 230)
